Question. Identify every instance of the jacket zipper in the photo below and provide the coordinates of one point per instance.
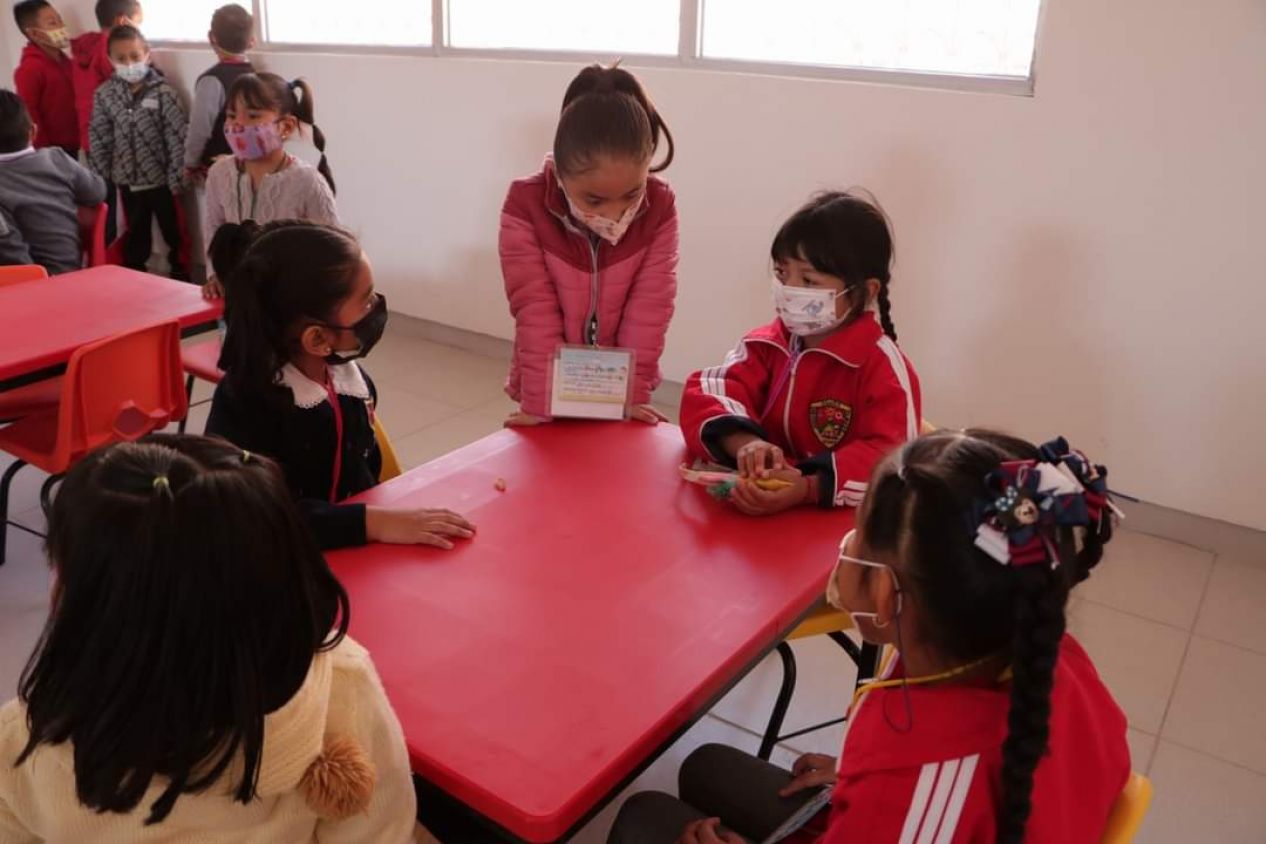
(591, 324)
(791, 389)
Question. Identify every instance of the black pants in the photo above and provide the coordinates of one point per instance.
(715, 781)
(112, 213)
(142, 207)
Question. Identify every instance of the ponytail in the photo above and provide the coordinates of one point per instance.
(305, 110)
(606, 111)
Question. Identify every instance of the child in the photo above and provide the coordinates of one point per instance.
(589, 244)
(92, 68)
(816, 397)
(138, 143)
(261, 181)
(41, 190)
(303, 311)
(195, 683)
(231, 36)
(43, 76)
(991, 723)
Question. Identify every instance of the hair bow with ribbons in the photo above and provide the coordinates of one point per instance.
(1026, 500)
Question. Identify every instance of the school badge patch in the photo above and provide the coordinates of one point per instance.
(830, 419)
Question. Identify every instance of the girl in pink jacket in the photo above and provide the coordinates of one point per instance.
(589, 244)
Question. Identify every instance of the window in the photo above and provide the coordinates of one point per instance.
(594, 26)
(968, 37)
(393, 23)
(187, 20)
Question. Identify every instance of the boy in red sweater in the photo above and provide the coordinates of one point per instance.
(43, 76)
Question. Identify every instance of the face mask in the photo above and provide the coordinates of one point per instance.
(58, 39)
(806, 311)
(609, 230)
(833, 588)
(250, 143)
(368, 332)
(132, 73)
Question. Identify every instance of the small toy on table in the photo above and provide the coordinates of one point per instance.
(721, 481)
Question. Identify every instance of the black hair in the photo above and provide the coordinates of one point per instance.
(125, 32)
(273, 93)
(170, 636)
(109, 11)
(606, 111)
(972, 607)
(25, 13)
(843, 234)
(233, 26)
(15, 122)
(276, 277)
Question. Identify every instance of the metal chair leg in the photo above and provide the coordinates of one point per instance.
(781, 703)
(46, 494)
(180, 429)
(5, 483)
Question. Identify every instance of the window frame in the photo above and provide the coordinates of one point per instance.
(688, 56)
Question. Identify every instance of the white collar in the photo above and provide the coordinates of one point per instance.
(22, 153)
(347, 379)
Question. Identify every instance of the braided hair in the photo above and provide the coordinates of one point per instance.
(606, 111)
(972, 607)
(843, 234)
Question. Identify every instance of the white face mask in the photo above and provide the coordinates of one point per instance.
(609, 230)
(132, 73)
(807, 311)
(833, 588)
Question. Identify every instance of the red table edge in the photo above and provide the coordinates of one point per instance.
(565, 823)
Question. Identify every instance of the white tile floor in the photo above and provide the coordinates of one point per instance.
(1176, 631)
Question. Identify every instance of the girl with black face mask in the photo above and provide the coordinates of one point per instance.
(302, 311)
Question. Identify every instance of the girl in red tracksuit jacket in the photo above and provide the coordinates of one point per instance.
(991, 725)
(589, 244)
(816, 397)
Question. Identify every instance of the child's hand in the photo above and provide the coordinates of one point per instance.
(647, 413)
(213, 289)
(523, 420)
(811, 770)
(708, 831)
(416, 527)
(757, 459)
(751, 500)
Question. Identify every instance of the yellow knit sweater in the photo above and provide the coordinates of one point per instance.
(341, 699)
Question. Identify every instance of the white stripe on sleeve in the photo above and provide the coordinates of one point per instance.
(919, 802)
(936, 804)
(903, 377)
(712, 381)
(958, 797)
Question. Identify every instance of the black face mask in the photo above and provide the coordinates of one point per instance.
(368, 332)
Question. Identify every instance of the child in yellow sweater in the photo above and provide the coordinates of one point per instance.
(195, 683)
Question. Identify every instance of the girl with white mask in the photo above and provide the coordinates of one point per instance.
(816, 397)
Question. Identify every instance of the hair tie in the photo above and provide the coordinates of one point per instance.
(246, 456)
(161, 482)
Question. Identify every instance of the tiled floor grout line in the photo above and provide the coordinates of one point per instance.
(1182, 664)
(1140, 617)
(1206, 754)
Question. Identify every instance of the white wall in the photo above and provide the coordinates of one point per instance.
(1082, 262)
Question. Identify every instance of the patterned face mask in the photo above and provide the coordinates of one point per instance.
(251, 143)
(58, 39)
(806, 311)
(609, 230)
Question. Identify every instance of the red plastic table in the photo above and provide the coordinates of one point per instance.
(602, 608)
(43, 322)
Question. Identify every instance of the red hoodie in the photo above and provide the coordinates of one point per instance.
(92, 66)
(44, 84)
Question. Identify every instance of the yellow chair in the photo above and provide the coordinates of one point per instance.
(1127, 813)
(390, 463)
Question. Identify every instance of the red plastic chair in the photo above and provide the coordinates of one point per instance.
(17, 273)
(92, 232)
(200, 360)
(120, 388)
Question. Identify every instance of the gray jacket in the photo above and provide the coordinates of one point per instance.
(40, 192)
(138, 139)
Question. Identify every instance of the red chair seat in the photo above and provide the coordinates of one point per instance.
(33, 440)
(40, 397)
(200, 361)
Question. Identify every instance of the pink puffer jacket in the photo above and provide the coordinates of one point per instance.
(558, 279)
